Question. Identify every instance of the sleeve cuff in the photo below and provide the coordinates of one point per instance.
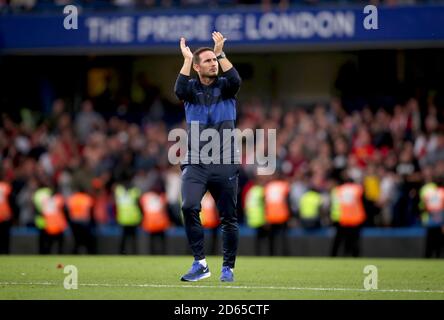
(183, 77)
(230, 73)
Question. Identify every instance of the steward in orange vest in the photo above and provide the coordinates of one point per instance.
(351, 207)
(155, 219)
(54, 215)
(277, 212)
(6, 215)
(80, 207)
(50, 218)
(155, 214)
(349, 202)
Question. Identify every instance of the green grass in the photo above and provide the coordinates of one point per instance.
(157, 277)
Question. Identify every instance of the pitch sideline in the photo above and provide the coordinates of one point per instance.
(222, 287)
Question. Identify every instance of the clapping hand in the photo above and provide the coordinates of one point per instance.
(186, 52)
(219, 41)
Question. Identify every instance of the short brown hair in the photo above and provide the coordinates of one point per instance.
(196, 54)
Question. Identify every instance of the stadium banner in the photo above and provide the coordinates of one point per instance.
(246, 29)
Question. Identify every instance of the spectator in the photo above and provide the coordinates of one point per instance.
(87, 121)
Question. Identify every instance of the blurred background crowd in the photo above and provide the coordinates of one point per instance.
(95, 121)
(392, 152)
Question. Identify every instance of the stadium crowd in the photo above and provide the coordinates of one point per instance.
(391, 153)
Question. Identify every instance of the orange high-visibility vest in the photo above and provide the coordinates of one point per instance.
(276, 204)
(434, 200)
(351, 208)
(52, 210)
(5, 208)
(155, 214)
(209, 216)
(79, 206)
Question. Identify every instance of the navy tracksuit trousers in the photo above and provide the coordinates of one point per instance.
(221, 180)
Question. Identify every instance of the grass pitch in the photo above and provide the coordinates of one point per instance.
(157, 277)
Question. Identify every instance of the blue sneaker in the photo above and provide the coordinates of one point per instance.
(226, 275)
(196, 273)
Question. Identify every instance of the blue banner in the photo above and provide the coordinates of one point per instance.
(245, 29)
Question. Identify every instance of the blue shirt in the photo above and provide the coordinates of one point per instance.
(210, 107)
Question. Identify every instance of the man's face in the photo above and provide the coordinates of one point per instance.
(208, 66)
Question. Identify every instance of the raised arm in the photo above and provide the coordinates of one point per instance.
(232, 78)
(219, 41)
(181, 88)
(188, 58)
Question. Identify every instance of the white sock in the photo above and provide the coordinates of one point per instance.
(203, 262)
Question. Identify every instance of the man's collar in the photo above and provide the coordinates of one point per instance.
(212, 84)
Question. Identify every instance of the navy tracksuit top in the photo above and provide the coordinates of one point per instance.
(210, 107)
